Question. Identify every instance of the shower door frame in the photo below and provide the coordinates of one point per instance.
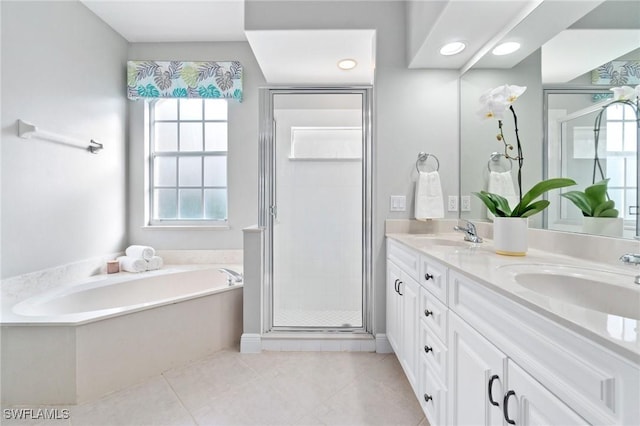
(268, 208)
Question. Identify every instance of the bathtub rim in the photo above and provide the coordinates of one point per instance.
(10, 318)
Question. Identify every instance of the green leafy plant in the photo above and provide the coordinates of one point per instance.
(593, 201)
(499, 205)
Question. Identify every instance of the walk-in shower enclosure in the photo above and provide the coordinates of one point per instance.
(315, 205)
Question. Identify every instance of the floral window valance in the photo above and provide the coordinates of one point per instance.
(176, 79)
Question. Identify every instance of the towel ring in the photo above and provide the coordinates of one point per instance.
(423, 156)
(495, 158)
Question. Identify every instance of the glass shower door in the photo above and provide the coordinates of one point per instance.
(317, 239)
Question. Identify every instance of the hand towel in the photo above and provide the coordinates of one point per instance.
(140, 252)
(429, 203)
(501, 183)
(154, 263)
(132, 264)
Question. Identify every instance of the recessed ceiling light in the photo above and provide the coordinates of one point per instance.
(347, 64)
(506, 48)
(452, 48)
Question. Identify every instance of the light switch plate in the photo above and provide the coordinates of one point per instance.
(465, 203)
(452, 204)
(398, 203)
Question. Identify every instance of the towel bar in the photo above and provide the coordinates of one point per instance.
(494, 158)
(423, 156)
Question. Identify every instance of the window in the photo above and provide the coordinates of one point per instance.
(188, 161)
(621, 158)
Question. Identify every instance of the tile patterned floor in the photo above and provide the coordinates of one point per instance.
(271, 388)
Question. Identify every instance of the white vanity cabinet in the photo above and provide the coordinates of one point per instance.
(417, 325)
(487, 388)
(477, 373)
(555, 373)
(402, 308)
(476, 356)
(528, 403)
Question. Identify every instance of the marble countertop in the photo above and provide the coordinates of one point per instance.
(479, 262)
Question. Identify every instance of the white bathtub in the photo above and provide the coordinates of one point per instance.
(104, 296)
(84, 340)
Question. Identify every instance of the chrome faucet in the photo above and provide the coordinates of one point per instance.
(233, 277)
(470, 233)
(633, 259)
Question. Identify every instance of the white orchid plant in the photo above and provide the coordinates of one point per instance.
(495, 103)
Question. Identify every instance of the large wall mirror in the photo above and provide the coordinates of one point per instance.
(556, 120)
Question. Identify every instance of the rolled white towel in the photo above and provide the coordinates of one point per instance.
(141, 252)
(154, 263)
(132, 264)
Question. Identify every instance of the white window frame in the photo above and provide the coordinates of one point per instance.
(150, 182)
(628, 116)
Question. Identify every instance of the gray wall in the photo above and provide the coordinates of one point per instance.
(416, 110)
(62, 70)
(242, 166)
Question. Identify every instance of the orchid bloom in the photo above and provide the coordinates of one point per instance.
(624, 93)
(496, 101)
(510, 93)
(493, 108)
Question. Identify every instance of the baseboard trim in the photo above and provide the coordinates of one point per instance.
(382, 344)
(250, 343)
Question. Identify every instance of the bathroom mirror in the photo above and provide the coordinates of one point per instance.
(570, 120)
(562, 156)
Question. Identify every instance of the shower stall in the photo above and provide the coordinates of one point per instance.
(315, 207)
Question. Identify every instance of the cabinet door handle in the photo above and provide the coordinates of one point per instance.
(505, 407)
(494, 377)
(427, 349)
(428, 277)
(427, 398)
(427, 312)
(400, 282)
(395, 286)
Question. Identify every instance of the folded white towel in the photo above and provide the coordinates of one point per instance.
(429, 203)
(154, 263)
(141, 252)
(132, 264)
(501, 183)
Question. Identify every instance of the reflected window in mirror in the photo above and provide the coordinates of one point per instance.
(570, 144)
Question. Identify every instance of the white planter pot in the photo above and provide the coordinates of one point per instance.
(607, 226)
(510, 235)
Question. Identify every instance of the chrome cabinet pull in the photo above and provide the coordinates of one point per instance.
(395, 286)
(428, 277)
(427, 312)
(427, 349)
(494, 377)
(427, 398)
(505, 407)
(401, 294)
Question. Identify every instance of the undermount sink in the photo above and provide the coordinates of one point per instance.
(436, 241)
(609, 292)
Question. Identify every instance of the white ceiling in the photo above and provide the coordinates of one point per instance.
(311, 55)
(172, 21)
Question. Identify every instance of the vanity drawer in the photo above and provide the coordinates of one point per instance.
(432, 396)
(407, 259)
(434, 314)
(433, 277)
(433, 351)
